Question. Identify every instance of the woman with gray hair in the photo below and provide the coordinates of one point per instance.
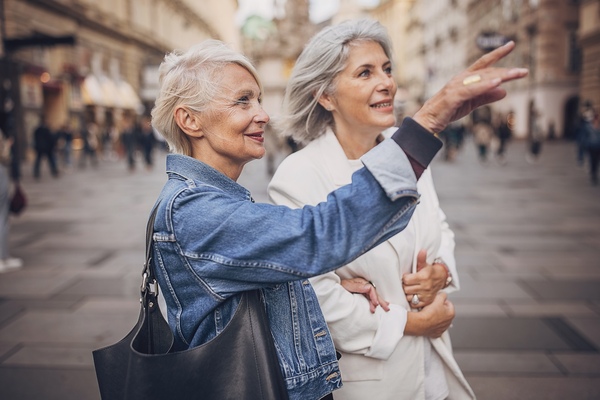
(212, 242)
(339, 103)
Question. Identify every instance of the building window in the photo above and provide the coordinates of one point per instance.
(574, 55)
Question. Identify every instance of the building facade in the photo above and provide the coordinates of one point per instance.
(546, 35)
(589, 39)
(78, 61)
(557, 40)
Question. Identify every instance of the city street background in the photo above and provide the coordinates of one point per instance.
(528, 251)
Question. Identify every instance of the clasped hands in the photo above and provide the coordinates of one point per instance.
(436, 311)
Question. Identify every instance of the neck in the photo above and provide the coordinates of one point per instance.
(356, 144)
(228, 168)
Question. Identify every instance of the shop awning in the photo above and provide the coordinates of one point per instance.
(91, 91)
(128, 98)
(103, 91)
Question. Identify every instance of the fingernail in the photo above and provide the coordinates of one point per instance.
(509, 43)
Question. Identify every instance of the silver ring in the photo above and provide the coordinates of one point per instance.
(415, 300)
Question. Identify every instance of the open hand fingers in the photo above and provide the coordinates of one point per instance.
(492, 57)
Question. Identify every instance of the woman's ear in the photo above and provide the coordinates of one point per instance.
(188, 122)
(326, 101)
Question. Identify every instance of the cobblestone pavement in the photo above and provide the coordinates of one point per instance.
(528, 249)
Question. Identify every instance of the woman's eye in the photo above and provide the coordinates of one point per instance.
(365, 73)
(243, 100)
(388, 70)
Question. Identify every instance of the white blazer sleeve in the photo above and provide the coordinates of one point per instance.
(354, 328)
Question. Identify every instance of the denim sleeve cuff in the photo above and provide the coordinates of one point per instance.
(392, 169)
(419, 144)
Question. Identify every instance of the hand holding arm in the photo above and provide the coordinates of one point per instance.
(476, 86)
(361, 285)
(432, 320)
(426, 282)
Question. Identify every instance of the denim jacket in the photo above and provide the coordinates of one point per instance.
(212, 242)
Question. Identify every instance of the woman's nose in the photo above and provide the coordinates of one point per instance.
(262, 116)
(387, 82)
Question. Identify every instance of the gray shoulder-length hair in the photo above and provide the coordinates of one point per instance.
(191, 79)
(322, 59)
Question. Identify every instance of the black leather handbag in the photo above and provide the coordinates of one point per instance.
(238, 364)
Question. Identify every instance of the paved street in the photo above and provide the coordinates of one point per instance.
(528, 250)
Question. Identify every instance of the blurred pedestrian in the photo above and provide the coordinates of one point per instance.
(483, 133)
(586, 117)
(44, 145)
(89, 136)
(590, 132)
(111, 148)
(7, 262)
(129, 140)
(65, 138)
(536, 138)
(452, 137)
(503, 132)
(147, 141)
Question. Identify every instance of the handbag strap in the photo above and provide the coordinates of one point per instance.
(149, 284)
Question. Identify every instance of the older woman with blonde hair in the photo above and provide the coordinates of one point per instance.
(212, 242)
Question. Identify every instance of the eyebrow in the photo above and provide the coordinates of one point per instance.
(245, 92)
(388, 62)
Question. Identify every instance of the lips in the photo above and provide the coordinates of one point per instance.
(382, 104)
(256, 136)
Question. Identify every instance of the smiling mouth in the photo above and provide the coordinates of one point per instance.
(381, 105)
(256, 136)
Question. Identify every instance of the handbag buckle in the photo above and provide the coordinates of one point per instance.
(146, 285)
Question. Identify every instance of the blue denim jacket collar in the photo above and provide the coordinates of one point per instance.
(192, 169)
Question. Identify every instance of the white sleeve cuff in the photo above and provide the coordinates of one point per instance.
(389, 333)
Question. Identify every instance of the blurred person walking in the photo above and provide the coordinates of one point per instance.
(483, 133)
(89, 136)
(147, 141)
(586, 116)
(7, 263)
(503, 132)
(65, 138)
(590, 133)
(452, 137)
(129, 140)
(536, 138)
(44, 145)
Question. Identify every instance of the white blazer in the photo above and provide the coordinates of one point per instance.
(377, 359)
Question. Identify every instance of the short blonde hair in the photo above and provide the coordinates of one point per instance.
(191, 79)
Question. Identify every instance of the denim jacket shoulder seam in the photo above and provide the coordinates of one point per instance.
(220, 259)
